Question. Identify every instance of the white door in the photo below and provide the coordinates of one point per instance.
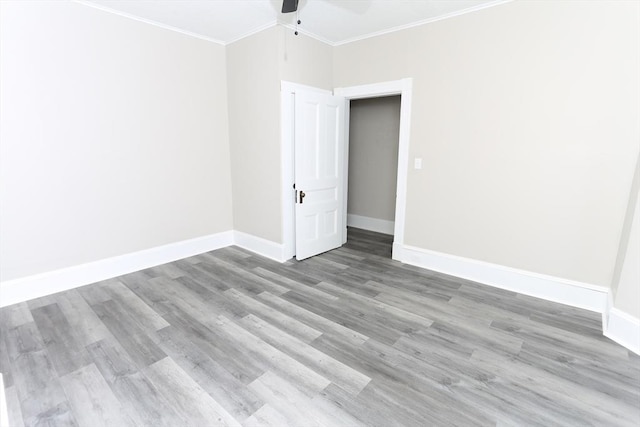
(319, 166)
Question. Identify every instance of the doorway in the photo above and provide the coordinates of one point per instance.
(374, 126)
(288, 90)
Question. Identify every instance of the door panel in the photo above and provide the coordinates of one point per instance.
(319, 144)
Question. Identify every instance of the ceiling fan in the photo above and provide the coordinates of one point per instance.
(289, 6)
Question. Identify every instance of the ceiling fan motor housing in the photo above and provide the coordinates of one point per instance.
(289, 6)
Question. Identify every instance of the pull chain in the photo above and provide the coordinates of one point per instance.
(298, 22)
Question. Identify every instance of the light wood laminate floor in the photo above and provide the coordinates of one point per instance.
(347, 338)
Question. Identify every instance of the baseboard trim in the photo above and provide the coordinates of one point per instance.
(621, 327)
(39, 285)
(371, 224)
(24, 289)
(260, 246)
(556, 289)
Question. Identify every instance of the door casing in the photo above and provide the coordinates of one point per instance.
(401, 87)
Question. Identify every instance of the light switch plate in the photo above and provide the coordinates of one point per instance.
(417, 163)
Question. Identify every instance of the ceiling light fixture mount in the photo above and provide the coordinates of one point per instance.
(289, 6)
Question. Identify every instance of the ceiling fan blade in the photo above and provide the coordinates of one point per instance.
(289, 6)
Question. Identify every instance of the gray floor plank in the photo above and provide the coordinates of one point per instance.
(297, 408)
(128, 301)
(339, 373)
(170, 270)
(91, 400)
(232, 253)
(139, 398)
(42, 399)
(283, 269)
(284, 322)
(111, 359)
(582, 372)
(390, 315)
(151, 295)
(195, 273)
(96, 293)
(309, 291)
(14, 316)
(219, 346)
(210, 375)
(186, 396)
(312, 319)
(600, 348)
(202, 304)
(64, 350)
(393, 371)
(267, 416)
(14, 413)
(376, 413)
(5, 364)
(143, 403)
(125, 329)
(202, 291)
(359, 319)
(85, 325)
(308, 380)
(230, 273)
(602, 408)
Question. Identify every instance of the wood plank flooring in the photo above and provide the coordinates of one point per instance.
(347, 338)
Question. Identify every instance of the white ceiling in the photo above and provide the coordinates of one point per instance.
(332, 21)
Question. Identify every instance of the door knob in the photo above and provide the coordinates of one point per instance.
(302, 196)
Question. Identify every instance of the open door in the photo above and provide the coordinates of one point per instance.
(319, 166)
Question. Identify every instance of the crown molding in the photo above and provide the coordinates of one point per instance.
(422, 22)
(308, 33)
(148, 21)
(292, 27)
(261, 28)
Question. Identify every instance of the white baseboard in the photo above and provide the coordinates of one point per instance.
(39, 285)
(24, 289)
(556, 289)
(371, 224)
(621, 328)
(260, 246)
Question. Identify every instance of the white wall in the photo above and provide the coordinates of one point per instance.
(626, 280)
(113, 140)
(526, 117)
(374, 126)
(627, 296)
(255, 67)
(254, 133)
(304, 60)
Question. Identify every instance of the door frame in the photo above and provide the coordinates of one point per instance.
(401, 87)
